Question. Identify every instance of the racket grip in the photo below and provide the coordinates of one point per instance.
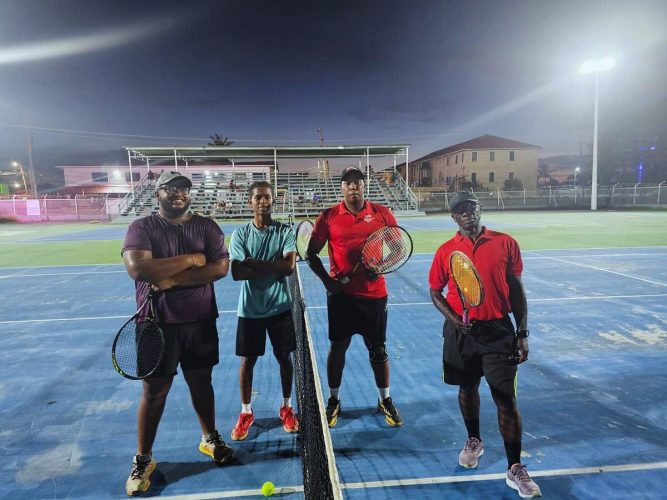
(344, 280)
(466, 319)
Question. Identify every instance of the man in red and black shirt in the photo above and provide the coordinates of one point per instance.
(488, 346)
(360, 304)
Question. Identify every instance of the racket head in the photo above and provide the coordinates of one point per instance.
(467, 278)
(303, 233)
(138, 348)
(386, 250)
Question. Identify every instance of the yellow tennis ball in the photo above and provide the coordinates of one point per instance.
(268, 489)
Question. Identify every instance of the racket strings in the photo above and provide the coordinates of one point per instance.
(466, 279)
(138, 348)
(303, 234)
(386, 250)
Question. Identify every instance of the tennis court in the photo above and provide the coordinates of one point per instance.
(592, 395)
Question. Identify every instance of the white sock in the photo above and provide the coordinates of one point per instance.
(287, 401)
(333, 392)
(384, 393)
(246, 408)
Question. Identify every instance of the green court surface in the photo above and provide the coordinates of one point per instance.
(26, 245)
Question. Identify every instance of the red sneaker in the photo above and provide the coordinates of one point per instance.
(240, 431)
(290, 422)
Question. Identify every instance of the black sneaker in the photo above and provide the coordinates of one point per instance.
(333, 409)
(391, 415)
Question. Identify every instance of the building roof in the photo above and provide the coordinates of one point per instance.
(482, 142)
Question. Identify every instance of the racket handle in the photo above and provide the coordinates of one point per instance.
(466, 319)
(344, 280)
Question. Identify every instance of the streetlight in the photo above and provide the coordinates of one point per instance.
(596, 66)
(574, 185)
(16, 164)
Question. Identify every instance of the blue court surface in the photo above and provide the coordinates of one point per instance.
(592, 395)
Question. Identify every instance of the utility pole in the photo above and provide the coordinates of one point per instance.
(31, 169)
(319, 130)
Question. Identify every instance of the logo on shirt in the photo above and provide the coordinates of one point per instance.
(368, 218)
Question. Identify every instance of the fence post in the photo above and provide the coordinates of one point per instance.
(634, 196)
(659, 186)
(76, 207)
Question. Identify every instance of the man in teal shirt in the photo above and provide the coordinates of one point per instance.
(262, 253)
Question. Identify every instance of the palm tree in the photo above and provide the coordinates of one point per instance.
(544, 172)
(218, 140)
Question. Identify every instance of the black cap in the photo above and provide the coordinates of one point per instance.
(169, 177)
(461, 197)
(352, 170)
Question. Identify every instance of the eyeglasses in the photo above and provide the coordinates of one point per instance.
(176, 189)
(465, 207)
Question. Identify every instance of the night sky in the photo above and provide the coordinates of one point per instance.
(89, 76)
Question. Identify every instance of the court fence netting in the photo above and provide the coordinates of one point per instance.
(320, 476)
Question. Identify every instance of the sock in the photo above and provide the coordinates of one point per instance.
(513, 451)
(384, 393)
(333, 392)
(246, 408)
(472, 427)
(287, 401)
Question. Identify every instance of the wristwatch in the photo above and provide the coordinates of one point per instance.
(522, 334)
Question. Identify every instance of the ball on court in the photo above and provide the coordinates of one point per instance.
(268, 489)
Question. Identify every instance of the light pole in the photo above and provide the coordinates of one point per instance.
(596, 66)
(574, 185)
(16, 164)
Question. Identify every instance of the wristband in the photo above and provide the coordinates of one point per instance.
(522, 334)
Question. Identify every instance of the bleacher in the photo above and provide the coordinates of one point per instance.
(301, 194)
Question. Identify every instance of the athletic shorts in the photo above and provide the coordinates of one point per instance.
(486, 351)
(251, 335)
(193, 345)
(349, 315)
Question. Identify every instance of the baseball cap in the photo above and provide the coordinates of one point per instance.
(350, 171)
(461, 197)
(169, 177)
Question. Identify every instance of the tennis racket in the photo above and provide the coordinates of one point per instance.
(303, 233)
(139, 345)
(468, 282)
(385, 251)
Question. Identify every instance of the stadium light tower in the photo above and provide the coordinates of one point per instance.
(596, 66)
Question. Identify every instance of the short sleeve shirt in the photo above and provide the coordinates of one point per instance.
(269, 295)
(164, 239)
(495, 255)
(346, 234)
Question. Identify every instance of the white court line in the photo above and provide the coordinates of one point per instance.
(393, 304)
(59, 274)
(587, 266)
(430, 480)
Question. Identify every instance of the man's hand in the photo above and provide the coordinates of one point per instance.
(372, 276)
(461, 326)
(198, 260)
(163, 285)
(521, 350)
(333, 286)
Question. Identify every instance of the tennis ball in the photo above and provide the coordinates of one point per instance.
(268, 489)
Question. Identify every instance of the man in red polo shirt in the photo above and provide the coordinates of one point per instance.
(360, 304)
(489, 344)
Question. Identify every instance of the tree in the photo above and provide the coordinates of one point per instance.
(513, 184)
(544, 172)
(218, 140)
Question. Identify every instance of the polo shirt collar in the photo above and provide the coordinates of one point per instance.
(342, 209)
(482, 235)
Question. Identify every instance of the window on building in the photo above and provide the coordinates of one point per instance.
(511, 175)
(448, 179)
(135, 176)
(100, 176)
(462, 157)
(492, 156)
(474, 156)
(492, 176)
(448, 161)
(473, 177)
(456, 159)
(511, 155)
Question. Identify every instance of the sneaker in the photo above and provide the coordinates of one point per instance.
(139, 480)
(472, 450)
(333, 409)
(391, 414)
(213, 446)
(519, 480)
(290, 422)
(240, 430)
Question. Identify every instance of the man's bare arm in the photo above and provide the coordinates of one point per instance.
(141, 266)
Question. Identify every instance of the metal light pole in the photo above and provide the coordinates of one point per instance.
(576, 171)
(596, 67)
(16, 164)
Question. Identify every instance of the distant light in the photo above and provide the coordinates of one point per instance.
(577, 169)
(207, 173)
(15, 164)
(341, 147)
(17, 185)
(117, 174)
(597, 65)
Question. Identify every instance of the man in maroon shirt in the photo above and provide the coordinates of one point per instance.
(179, 256)
(488, 345)
(360, 304)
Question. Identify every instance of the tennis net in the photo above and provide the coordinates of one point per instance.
(320, 478)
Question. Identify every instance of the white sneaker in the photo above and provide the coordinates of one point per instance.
(139, 480)
(472, 450)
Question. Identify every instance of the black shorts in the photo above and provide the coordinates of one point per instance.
(193, 345)
(486, 351)
(349, 315)
(251, 335)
